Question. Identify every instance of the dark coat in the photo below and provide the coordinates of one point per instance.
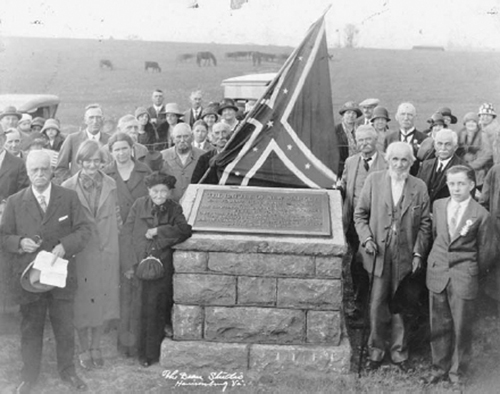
(343, 148)
(190, 118)
(13, 176)
(172, 229)
(416, 141)
(204, 163)
(159, 117)
(436, 184)
(135, 187)
(58, 141)
(64, 222)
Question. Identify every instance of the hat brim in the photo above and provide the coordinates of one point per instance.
(16, 114)
(173, 113)
(357, 110)
(210, 113)
(377, 117)
(227, 106)
(30, 280)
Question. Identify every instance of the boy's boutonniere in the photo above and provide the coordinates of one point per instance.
(466, 228)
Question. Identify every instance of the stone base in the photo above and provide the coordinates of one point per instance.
(193, 356)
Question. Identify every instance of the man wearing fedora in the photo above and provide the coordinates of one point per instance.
(13, 175)
(379, 120)
(407, 132)
(367, 106)
(46, 217)
(345, 133)
(66, 163)
(9, 118)
(195, 112)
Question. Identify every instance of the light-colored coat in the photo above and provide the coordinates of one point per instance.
(348, 182)
(372, 218)
(172, 165)
(458, 258)
(97, 296)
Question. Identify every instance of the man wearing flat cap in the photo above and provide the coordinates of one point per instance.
(45, 217)
(345, 133)
(66, 164)
(367, 106)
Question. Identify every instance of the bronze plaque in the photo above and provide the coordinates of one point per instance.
(297, 212)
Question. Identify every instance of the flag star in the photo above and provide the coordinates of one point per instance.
(285, 90)
(289, 147)
(308, 166)
(237, 173)
(255, 149)
(270, 123)
(300, 58)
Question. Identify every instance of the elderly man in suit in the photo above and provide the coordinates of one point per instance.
(356, 170)
(194, 113)
(461, 229)
(393, 223)
(433, 171)
(44, 217)
(66, 163)
(157, 110)
(181, 159)
(407, 132)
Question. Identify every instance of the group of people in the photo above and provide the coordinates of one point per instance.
(420, 208)
(108, 203)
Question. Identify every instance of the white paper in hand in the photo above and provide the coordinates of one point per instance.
(53, 271)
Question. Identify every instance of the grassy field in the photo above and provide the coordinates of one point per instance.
(69, 68)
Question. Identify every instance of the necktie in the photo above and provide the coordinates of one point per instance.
(440, 167)
(407, 137)
(454, 221)
(43, 203)
(366, 163)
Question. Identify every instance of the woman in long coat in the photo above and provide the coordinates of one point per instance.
(97, 296)
(129, 177)
(155, 221)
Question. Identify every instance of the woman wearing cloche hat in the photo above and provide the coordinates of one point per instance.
(490, 125)
(379, 120)
(345, 132)
(173, 116)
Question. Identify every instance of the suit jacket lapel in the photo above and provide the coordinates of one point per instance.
(31, 205)
(387, 190)
(53, 204)
(408, 192)
(6, 164)
(470, 213)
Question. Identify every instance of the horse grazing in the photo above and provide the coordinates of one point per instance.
(238, 55)
(105, 64)
(152, 66)
(205, 59)
(184, 57)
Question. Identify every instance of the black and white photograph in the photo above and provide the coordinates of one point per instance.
(250, 196)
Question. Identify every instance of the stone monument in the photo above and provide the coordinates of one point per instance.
(258, 287)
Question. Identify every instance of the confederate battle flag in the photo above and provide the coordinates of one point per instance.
(287, 140)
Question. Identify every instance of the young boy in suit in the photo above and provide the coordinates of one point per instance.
(460, 230)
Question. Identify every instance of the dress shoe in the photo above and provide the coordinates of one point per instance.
(404, 366)
(96, 356)
(85, 361)
(24, 387)
(74, 381)
(372, 365)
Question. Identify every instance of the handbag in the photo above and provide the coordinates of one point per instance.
(150, 267)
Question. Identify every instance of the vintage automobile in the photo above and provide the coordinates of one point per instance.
(247, 88)
(43, 105)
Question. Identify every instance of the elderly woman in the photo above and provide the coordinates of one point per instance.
(474, 148)
(200, 134)
(172, 117)
(97, 297)
(129, 177)
(155, 224)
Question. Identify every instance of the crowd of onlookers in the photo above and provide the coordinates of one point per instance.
(108, 202)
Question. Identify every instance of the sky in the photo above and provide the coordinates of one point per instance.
(381, 23)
